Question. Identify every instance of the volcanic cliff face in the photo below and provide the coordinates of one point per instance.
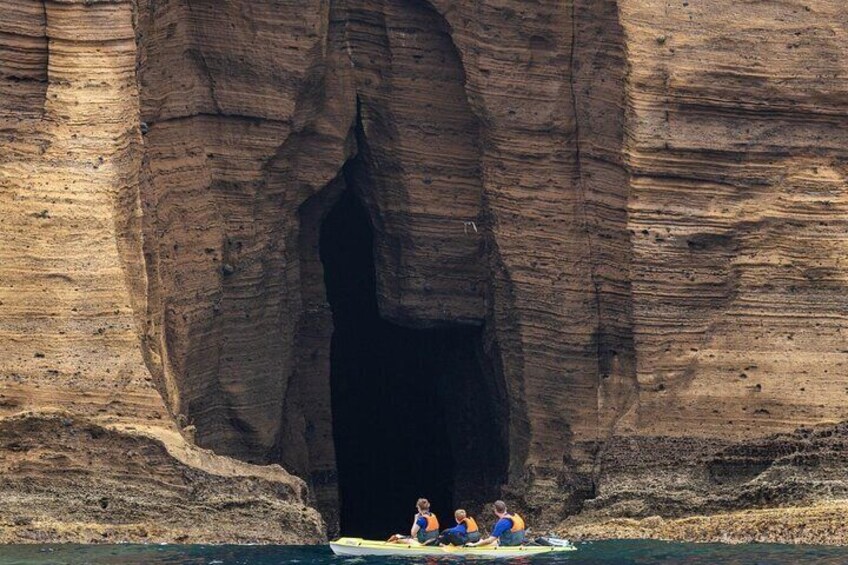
(88, 448)
(584, 255)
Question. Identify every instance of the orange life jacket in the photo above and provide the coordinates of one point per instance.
(517, 523)
(432, 522)
(471, 525)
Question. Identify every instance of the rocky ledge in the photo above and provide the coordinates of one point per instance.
(67, 479)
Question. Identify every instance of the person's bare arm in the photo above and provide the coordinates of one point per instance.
(415, 527)
(487, 541)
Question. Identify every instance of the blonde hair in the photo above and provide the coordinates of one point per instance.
(460, 514)
(500, 506)
(423, 504)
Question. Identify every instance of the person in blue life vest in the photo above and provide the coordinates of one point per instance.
(465, 531)
(425, 526)
(508, 530)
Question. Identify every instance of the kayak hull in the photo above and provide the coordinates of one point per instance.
(361, 547)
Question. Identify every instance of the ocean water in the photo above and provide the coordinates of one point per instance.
(606, 552)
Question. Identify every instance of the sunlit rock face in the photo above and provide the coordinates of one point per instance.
(635, 211)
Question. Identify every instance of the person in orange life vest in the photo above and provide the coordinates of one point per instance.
(465, 531)
(508, 530)
(425, 525)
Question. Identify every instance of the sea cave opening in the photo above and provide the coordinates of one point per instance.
(416, 411)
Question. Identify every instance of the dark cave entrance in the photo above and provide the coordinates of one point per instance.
(415, 411)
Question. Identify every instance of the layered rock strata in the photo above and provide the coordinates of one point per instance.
(90, 450)
(640, 205)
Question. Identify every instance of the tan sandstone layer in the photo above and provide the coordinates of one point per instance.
(656, 260)
(816, 524)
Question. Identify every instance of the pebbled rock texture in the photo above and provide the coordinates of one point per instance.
(641, 202)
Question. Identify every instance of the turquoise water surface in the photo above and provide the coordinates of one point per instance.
(606, 552)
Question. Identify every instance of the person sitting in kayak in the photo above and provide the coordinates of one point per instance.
(465, 531)
(509, 529)
(425, 526)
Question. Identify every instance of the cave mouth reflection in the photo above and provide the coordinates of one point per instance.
(413, 412)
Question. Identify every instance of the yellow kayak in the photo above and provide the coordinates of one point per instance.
(359, 546)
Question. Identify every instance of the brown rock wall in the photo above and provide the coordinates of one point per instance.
(23, 46)
(421, 147)
(736, 168)
(72, 274)
(443, 147)
(640, 203)
(550, 92)
(222, 203)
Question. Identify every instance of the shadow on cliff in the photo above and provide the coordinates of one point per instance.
(413, 409)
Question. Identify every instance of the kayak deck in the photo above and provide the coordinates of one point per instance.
(359, 546)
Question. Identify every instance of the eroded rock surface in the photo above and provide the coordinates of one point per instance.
(66, 479)
(641, 205)
(81, 420)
